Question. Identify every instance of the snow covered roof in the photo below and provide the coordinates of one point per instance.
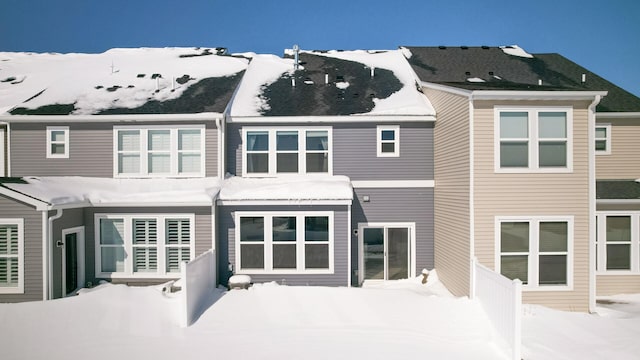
(331, 83)
(287, 188)
(118, 81)
(75, 190)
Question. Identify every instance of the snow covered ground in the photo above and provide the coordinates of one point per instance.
(403, 319)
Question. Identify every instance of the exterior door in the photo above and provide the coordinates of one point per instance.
(386, 251)
(72, 260)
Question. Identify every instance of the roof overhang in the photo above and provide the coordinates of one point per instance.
(18, 196)
(618, 115)
(516, 94)
(110, 118)
(293, 202)
(359, 118)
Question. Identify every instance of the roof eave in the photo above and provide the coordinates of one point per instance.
(331, 118)
(535, 95)
(111, 118)
(618, 115)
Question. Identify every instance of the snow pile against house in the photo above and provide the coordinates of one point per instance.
(287, 188)
(81, 84)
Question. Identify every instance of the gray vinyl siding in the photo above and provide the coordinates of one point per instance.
(355, 152)
(90, 149)
(11, 209)
(70, 218)
(203, 234)
(397, 205)
(227, 253)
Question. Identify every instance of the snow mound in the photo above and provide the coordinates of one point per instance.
(476, 80)
(515, 50)
(288, 188)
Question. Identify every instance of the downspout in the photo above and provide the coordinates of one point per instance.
(8, 153)
(49, 242)
(220, 127)
(472, 217)
(592, 202)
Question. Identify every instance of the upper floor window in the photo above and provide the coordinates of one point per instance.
(533, 140)
(280, 151)
(603, 139)
(388, 141)
(11, 256)
(57, 141)
(159, 151)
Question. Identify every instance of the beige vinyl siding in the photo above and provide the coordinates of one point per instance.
(451, 201)
(624, 160)
(617, 284)
(534, 194)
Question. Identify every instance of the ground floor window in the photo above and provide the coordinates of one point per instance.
(11, 256)
(143, 245)
(284, 242)
(535, 250)
(618, 242)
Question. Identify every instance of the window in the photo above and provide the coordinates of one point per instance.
(282, 151)
(388, 140)
(536, 251)
(533, 140)
(11, 256)
(603, 139)
(159, 151)
(57, 141)
(284, 243)
(142, 245)
(618, 242)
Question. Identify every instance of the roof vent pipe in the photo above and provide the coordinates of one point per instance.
(539, 81)
(373, 71)
(296, 51)
(173, 83)
(584, 78)
(158, 83)
(293, 82)
(326, 78)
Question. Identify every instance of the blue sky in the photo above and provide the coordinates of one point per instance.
(603, 36)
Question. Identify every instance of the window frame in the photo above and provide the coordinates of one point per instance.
(533, 139)
(19, 289)
(534, 252)
(601, 243)
(272, 151)
(395, 141)
(144, 152)
(65, 142)
(129, 246)
(300, 242)
(607, 139)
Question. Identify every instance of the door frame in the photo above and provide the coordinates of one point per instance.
(79, 230)
(412, 245)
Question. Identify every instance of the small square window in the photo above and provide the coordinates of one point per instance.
(57, 142)
(388, 141)
(603, 139)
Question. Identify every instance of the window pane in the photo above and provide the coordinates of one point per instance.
(316, 256)
(553, 153)
(128, 164)
(112, 231)
(515, 267)
(145, 259)
(112, 259)
(388, 135)
(57, 135)
(316, 228)
(189, 140)
(618, 257)
(514, 125)
(159, 140)
(177, 231)
(601, 133)
(9, 272)
(252, 256)
(57, 148)
(553, 236)
(514, 154)
(175, 256)
(373, 239)
(553, 270)
(287, 140)
(257, 141)
(284, 256)
(129, 140)
(317, 140)
(388, 147)
(552, 125)
(284, 229)
(8, 240)
(601, 145)
(145, 231)
(159, 163)
(251, 229)
(317, 163)
(618, 228)
(287, 163)
(257, 163)
(189, 163)
(514, 237)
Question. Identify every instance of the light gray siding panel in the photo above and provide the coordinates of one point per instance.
(211, 149)
(70, 218)
(12, 209)
(234, 149)
(397, 205)
(226, 249)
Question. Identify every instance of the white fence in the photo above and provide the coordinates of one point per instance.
(501, 298)
(198, 283)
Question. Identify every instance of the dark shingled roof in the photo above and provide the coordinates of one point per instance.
(454, 65)
(311, 96)
(617, 189)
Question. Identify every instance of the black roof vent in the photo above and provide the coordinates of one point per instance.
(464, 47)
(491, 73)
(485, 47)
(442, 47)
(467, 73)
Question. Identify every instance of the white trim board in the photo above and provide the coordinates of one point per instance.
(284, 202)
(383, 184)
(364, 118)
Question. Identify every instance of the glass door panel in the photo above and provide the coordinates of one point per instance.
(398, 253)
(373, 253)
(71, 262)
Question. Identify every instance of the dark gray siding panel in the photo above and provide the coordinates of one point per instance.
(211, 149)
(11, 209)
(398, 205)
(234, 149)
(226, 248)
(70, 218)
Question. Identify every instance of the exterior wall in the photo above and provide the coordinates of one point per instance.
(32, 248)
(70, 218)
(531, 194)
(90, 149)
(452, 191)
(617, 284)
(624, 160)
(227, 242)
(203, 229)
(396, 205)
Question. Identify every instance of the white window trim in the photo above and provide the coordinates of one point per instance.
(607, 139)
(128, 245)
(20, 288)
(534, 253)
(144, 152)
(268, 243)
(601, 243)
(65, 142)
(396, 140)
(533, 139)
(302, 151)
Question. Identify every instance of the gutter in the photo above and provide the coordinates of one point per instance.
(618, 115)
(47, 250)
(517, 94)
(133, 118)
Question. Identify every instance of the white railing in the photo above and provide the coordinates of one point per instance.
(198, 283)
(501, 299)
